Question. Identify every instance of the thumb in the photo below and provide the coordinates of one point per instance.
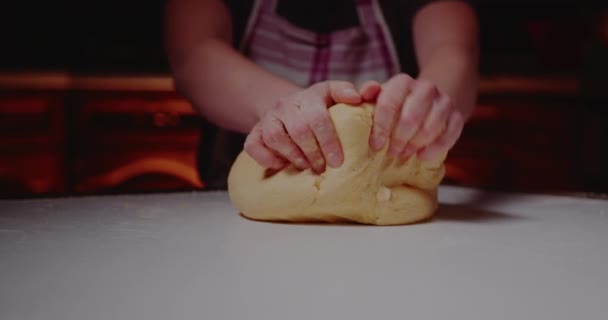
(340, 92)
(370, 90)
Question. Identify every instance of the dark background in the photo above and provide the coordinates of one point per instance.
(108, 36)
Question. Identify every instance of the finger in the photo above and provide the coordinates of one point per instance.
(341, 92)
(276, 138)
(255, 147)
(369, 90)
(315, 112)
(299, 131)
(446, 140)
(390, 101)
(435, 122)
(412, 117)
(408, 151)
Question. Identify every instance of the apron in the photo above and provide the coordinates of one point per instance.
(356, 54)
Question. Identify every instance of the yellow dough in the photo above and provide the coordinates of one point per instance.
(369, 188)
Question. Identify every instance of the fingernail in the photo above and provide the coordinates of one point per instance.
(334, 159)
(349, 92)
(319, 165)
(301, 163)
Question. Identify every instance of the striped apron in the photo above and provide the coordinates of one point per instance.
(356, 54)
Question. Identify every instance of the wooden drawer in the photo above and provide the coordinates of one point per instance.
(116, 121)
(124, 138)
(518, 143)
(32, 142)
(525, 124)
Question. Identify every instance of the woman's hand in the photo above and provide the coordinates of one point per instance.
(299, 130)
(414, 118)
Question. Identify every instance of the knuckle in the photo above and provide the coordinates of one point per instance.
(424, 136)
(456, 125)
(338, 84)
(458, 120)
(390, 105)
(282, 101)
(269, 141)
(300, 132)
(427, 88)
(273, 137)
(322, 85)
(443, 141)
(280, 105)
(403, 77)
(442, 116)
(370, 83)
(319, 121)
(409, 120)
(426, 132)
(274, 132)
(250, 145)
(424, 84)
(446, 101)
(440, 112)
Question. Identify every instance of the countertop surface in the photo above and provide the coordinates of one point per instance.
(191, 256)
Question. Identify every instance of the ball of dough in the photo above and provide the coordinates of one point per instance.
(369, 188)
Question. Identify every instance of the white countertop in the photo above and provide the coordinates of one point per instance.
(191, 256)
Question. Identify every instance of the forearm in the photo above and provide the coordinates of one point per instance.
(447, 48)
(225, 87)
(454, 69)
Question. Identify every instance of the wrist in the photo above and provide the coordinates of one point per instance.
(455, 74)
(272, 96)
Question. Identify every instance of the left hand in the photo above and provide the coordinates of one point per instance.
(414, 117)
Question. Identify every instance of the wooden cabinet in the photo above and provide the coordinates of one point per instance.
(98, 135)
(518, 144)
(32, 142)
(64, 135)
(133, 141)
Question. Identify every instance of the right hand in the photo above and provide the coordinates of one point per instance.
(299, 130)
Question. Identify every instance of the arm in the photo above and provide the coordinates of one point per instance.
(235, 93)
(224, 86)
(449, 59)
(425, 116)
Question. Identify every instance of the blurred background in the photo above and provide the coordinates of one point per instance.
(87, 104)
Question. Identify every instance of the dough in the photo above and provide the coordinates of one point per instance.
(369, 188)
